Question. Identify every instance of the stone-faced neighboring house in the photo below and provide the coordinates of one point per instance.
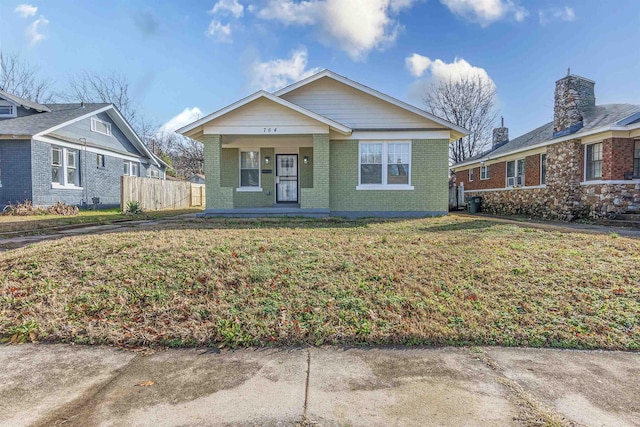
(68, 152)
(325, 145)
(585, 163)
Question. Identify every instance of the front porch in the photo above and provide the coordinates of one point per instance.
(250, 175)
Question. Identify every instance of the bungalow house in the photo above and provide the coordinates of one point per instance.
(585, 163)
(71, 153)
(325, 145)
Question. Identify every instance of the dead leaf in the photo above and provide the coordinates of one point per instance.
(145, 384)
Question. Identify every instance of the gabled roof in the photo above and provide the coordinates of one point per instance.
(61, 115)
(57, 114)
(23, 102)
(330, 74)
(264, 94)
(596, 118)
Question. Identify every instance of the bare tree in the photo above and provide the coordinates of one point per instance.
(468, 102)
(23, 80)
(91, 87)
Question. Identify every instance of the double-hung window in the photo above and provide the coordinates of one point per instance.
(64, 167)
(250, 169)
(100, 161)
(385, 165)
(484, 172)
(636, 160)
(131, 168)
(543, 169)
(515, 173)
(594, 161)
(471, 174)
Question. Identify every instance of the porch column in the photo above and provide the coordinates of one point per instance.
(217, 196)
(318, 196)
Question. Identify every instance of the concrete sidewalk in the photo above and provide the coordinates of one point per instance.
(48, 385)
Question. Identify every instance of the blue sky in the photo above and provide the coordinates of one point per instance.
(185, 57)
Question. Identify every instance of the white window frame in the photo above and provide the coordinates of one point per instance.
(385, 164)
(484, 172)
(94, 120)
(64, 165)
(519, 180)
(586, 162)
(101, 164)
(543, 181)
(471, 175)
(249, 189)
(14, 109)
(131, 163)
(636, 149)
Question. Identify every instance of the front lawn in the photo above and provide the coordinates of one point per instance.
(448, 280)
(16, 226)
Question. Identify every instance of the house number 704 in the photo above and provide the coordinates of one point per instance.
(269, 130)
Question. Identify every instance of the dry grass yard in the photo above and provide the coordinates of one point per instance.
(216, 282)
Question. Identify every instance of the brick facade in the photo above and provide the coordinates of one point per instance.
(617, 158)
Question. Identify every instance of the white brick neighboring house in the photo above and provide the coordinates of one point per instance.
(71, 153)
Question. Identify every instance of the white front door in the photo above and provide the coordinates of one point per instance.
(286, 178)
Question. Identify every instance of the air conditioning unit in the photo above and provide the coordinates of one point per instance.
(511, 181)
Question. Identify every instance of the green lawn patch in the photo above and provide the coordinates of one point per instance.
(16, 226)
(216, 282)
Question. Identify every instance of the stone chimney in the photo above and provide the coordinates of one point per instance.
(500, 135)
(573, 96)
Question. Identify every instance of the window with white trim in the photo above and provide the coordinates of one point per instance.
(7, 109)
(131, 168)
(385, 163)
(250, 169)
(484, 172)
(100, 126)
(636, 160)
(100, 161)
(515, 173)
(593, 161)
(543, 168)
(153, 173)
(64, 167)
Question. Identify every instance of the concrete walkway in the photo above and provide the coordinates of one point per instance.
(49, 385)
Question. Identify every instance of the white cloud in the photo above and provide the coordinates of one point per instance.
(32, 31)
(218, 31)
(417, 64)
(445, 71)
(356, 26)
(231, 7)
(188, 115)
(26, 10)
(278, 73)
(566, 14)
(486, 12)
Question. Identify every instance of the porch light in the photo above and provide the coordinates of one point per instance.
(267, 160)
(305, 160)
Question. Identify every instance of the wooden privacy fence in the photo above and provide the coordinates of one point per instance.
(157, 194)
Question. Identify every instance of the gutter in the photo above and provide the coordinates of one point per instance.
(551, 142)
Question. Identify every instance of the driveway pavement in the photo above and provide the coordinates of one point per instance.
(49, 385)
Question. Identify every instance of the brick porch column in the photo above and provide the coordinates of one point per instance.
(318, 196)
(217, 197)
(617, 158)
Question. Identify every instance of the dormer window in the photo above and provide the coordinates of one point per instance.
(100, 126)
(7, 109)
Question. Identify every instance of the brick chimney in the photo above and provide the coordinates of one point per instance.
(500, 135)
(573, 96)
